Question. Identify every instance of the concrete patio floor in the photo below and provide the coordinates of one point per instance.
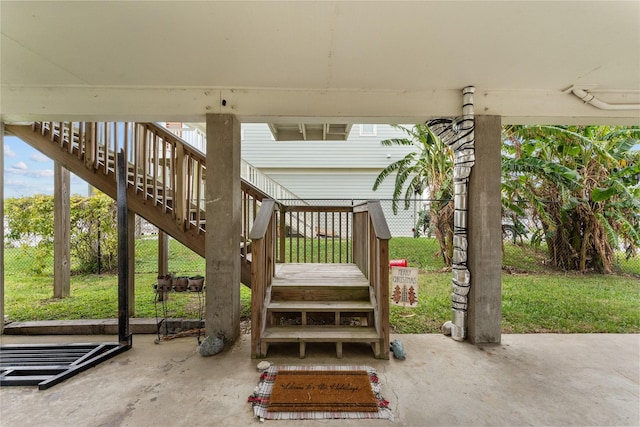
(543, 379)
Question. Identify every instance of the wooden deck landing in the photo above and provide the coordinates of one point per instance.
(298, 274)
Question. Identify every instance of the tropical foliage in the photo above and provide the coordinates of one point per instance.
(429, 167)
(582, 185)
(580, 182)
(93, 230)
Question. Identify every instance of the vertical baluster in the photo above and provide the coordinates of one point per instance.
(154, 157)
(125, 129)
(326, 239)
(97, 132)
(318, 236)
(196, 198)
(164, 174)
(312, 241)
(333, 237)
(70, 137)
(304, 234)
(107, 135)
(340, 237)
(289, 215)
(179, 196)
(95, 153)
(90, 145)
(145, 159)
(136, 155)
(297, 236)
(114, 143)
(199, 196)
(52, 132)
(82, 139)
(348, 237)
(189, 195)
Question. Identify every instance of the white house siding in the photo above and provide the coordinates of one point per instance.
(329, 170)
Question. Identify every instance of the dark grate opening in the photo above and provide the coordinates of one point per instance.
(46, 365)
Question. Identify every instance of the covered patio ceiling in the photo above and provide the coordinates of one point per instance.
(304, 65)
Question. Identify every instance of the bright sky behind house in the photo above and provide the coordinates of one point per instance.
(28, 172)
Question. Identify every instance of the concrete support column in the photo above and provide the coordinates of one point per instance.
(2, 227)
(485, 234)
(223, 219)
(61, 235)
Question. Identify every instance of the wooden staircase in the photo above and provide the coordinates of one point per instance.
(166, 176)
(321, 301)
(334, 287)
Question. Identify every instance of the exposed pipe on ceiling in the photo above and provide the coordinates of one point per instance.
(590, 99)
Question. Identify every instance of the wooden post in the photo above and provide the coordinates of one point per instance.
(61, 238)
(123, 250)
(90, 154)
(179, 196)
(163, 260)
(131, 243)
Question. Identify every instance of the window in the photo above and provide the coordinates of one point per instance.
(368, 130)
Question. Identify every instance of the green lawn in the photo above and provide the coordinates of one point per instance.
(534, 299)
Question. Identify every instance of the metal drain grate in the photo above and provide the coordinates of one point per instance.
(46, 365)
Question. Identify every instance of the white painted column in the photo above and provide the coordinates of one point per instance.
(223, 219)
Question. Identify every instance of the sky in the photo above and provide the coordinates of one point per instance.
(28, 172)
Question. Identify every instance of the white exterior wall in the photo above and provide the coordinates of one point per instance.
(324, 170)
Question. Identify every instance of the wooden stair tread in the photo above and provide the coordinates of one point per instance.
(320, 306)
(319, 282)
(319, 334)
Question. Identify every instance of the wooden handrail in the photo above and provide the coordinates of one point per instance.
(262, 220)
(371, 254)
(263, 237)
(379, 222)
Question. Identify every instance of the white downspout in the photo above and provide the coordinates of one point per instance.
(590, 99)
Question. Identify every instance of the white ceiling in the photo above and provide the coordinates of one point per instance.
(338, 61)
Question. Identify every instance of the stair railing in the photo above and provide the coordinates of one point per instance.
(263, 238)
(371, 254)
(315, 234)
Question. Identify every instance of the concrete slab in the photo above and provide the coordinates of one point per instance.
(543, 379)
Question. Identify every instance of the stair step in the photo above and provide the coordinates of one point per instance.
(320, 292)
(320, 334)
(305, 334)
(320, 306)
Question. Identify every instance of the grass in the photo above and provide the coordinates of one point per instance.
(534, 299)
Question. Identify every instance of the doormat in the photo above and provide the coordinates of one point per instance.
(322, 391)
(319, 392)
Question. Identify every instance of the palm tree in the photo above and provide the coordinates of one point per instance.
(582, 185)
(430, 167)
